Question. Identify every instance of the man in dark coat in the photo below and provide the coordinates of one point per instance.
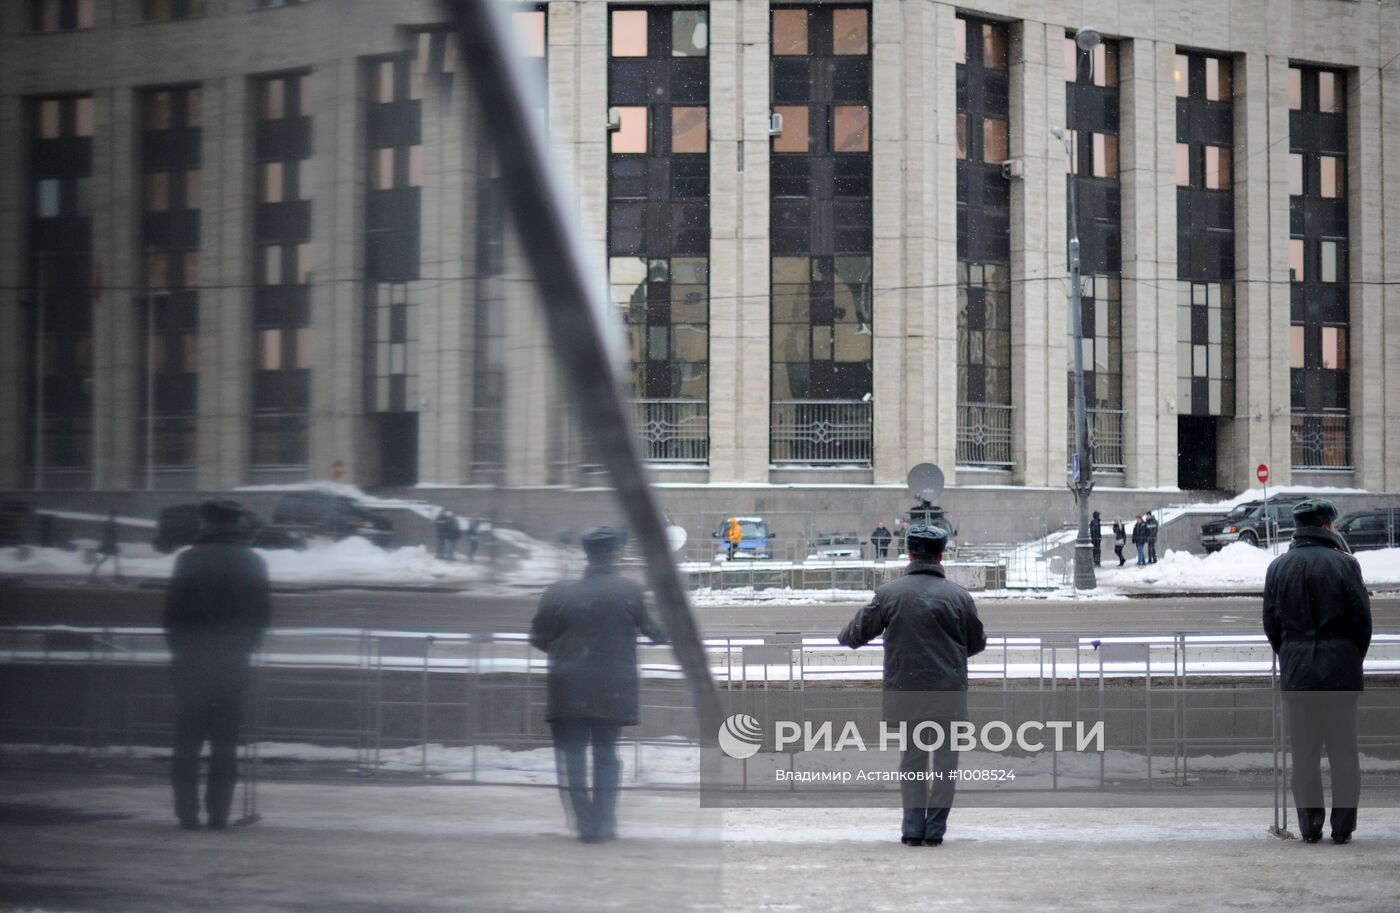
(1317, 615)
(217, 607)
(109, 547)
(1152, 526)
(1140, 538)
(589, 628)
(930, 626)
(448, 532)
(1096, 537)
(880, 539)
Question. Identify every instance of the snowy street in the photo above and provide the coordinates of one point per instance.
(107, 843)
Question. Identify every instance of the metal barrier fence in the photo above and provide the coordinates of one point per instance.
(821, 431)
(1105, 439)
(1321, 440)
(673, 430)
(454, 705)
(984, 435)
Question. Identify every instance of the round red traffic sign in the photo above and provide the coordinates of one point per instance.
(1262, 472)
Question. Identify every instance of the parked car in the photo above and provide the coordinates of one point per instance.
(756, 542)
(178, 525)
(323, 513)
(1378, 528)
(830, 546)
(1254, 523)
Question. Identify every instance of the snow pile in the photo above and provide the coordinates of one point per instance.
(1238, 566)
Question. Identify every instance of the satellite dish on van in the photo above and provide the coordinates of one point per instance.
(926, 482)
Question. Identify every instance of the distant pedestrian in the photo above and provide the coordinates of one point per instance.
(589, 628)
(930, 628)
(880, 540)
(109, 547)
(1140, 539)
(1120, 539)
(735, 535)
(448, 531)
(473, 538)
(1152, 526)
(899, 529)
(1317, 616)
(217, 607)
(1096, 537)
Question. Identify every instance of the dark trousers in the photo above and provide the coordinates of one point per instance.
(1318, 720)
(595, 812)
(205, 709)
(102, 559)
(927, 802)
(1098, 551)
(1151, 551)
(447, 548)
(882, 549)
(1118, 550)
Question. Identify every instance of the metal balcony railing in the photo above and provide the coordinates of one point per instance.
(984, 435)
(1105, 439)
(823, 431)
(1321, 440)
(673, 430)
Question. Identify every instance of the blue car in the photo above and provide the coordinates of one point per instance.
(756, 541)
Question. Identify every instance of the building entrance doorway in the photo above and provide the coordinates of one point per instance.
(1196, 452)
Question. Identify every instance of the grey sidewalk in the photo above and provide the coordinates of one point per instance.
(108, 843)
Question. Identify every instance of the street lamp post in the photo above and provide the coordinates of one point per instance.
(1086, 39)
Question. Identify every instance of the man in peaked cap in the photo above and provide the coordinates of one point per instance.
(1317, 615)
(216, 609)
(931, 627)
(589, 628)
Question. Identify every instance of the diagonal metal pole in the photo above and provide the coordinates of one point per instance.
(576, 310)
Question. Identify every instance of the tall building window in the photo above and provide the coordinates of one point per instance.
(1320, 307)
(170, 165)
(1205, 262)
(659, 219)
(984, 250)
(821, 235)
(62, 15)
(61, 288)
(284, 271)
(1091, 105)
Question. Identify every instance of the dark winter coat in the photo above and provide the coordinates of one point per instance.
(589, 630)
(1120, 534)
(930, 626)
(217, 605)
(448, 528)
(880, 537)
(108, 546)
(1096, 530)
(1140, 532)
(1152, 526)
(1317, 613)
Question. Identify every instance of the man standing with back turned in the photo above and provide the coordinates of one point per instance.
(216, 609)
(931, 628)
(1317, 615)
(589, 630)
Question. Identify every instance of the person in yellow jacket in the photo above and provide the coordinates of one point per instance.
(735, 535)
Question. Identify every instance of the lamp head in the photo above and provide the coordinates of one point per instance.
(1088, 38)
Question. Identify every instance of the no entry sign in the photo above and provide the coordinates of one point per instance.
(1262, 472)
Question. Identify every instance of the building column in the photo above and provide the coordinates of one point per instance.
(1262, 398)
(1367, 271)
(225, 395)
(1146, 157)
(1039, 307)
(740, 320)
(726, 223)
(894, 102)
(1387, 376)
(16, 364)
(119, 309)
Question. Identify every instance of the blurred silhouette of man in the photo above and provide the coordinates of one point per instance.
(588, 628)
(1317, 615)
(931, 627)
(109, 547)
(217, 607)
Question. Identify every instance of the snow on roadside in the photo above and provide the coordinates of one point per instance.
(1237, 566)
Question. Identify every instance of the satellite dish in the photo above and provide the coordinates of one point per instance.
(675, 537)
(926, 482)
